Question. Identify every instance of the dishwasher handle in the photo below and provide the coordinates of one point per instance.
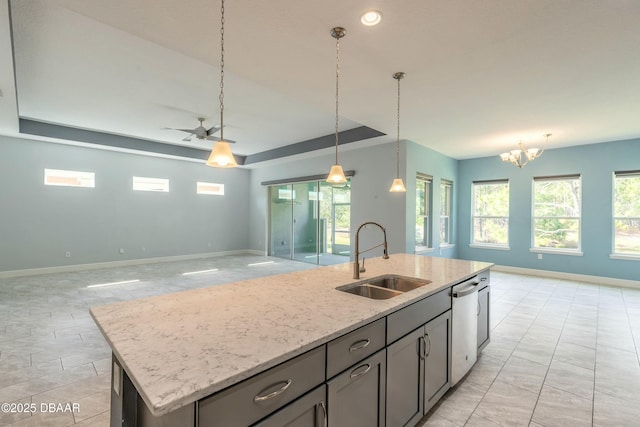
(471, 288)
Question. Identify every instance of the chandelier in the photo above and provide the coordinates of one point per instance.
(523, 155)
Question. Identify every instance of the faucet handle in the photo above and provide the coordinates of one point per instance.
(362, 269)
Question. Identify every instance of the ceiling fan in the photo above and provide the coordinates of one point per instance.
(201, 132)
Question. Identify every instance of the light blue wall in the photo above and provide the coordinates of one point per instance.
(39, 223)
(430, 162)
(596, 164)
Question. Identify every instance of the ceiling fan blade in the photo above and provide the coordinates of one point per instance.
(213, 138)
(213, 129)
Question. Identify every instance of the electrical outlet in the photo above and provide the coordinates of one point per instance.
(209, 244)
(539, 256)
(68, 254)
(121, 250)
(144, 249)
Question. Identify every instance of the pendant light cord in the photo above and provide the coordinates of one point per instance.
(398, 138)
(337, 91)
(222, 71)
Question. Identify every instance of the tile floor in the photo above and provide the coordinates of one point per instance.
(561, 352)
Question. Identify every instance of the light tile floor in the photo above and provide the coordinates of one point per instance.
(561, 352)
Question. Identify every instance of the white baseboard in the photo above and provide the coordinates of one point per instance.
(123, 263)
(609, 281)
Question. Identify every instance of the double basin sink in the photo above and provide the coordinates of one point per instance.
(383, 287)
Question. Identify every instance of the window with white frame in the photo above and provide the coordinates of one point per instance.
(141, 183)
(626, 213)
(446, 192)
(490, 214)
(423, 212)
(67, 178)
(557, 210)
(210, 188)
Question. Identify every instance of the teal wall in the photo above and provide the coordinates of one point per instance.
(430, 162)
(596, 164)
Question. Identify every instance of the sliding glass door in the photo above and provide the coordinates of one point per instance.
(310, 222)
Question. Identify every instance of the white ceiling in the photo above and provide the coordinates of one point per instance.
(480, 74)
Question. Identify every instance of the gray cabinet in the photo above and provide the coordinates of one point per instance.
(356, 397)
(483, 318)
(308, 411)
(437, 355)
(405, 380)
(253, 399)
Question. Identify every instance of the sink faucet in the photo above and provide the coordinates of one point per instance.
(356, 264)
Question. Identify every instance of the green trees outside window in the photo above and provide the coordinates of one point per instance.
(490, 222)
(626, 213)
(557, 212)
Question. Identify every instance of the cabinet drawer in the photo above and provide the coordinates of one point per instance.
(409, 318)
(351, 348)
(258, 396)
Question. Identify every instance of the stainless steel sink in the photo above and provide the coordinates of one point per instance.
(398, 283)
(366, 290)
(383, 287)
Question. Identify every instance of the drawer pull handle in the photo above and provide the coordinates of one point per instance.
(422, 348)
(427, 353)
(359, 371)
(359, 345)
(324, 414)
(271, 395)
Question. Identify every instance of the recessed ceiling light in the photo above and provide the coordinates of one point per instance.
(371, 17)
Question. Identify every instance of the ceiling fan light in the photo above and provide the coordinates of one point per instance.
(397, 186)
(533, 153)
(505, 157)
(336, 175)
(221, 156)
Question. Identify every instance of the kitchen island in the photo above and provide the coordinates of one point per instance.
(172, 351)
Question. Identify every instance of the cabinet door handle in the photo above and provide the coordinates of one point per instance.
(324, 413)
(359, 345)
(262, 398)
(423, 347)
(478, 308)
(426, 353)
(359, 371)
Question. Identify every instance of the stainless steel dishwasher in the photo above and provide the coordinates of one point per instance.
(464, 328)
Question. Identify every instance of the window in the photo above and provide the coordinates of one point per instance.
(210, 188)
(150, 184)
(626, 213)
(423, 212)
(446, 188)
(490, 222)
(556, 212)
(69, 178)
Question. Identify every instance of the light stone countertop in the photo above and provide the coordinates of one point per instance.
(178, 348)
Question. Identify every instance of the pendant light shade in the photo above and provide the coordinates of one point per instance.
(221, 155)
(397, 186)
(336, 174)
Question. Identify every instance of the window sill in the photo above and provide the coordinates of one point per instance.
(488, 246)
(570, 252)
(423, 251)
(625, 256)
(447, 246)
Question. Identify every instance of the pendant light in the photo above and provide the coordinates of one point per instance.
(336, 174)
(398, 186)
(221, 155)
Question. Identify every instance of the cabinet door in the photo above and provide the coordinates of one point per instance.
(308, 411)
(483, 318)
(405, 380)
(356, 398)
(437, 357)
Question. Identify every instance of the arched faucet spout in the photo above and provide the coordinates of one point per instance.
(356, 264)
